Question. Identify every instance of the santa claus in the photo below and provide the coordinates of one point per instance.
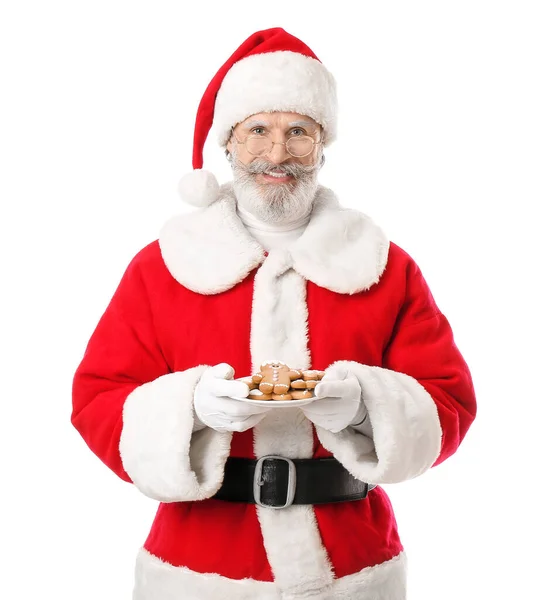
(260, 500)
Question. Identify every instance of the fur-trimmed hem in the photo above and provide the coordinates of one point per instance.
(158, 580)
(160, 453)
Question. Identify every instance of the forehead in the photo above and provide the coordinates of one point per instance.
(279, 119)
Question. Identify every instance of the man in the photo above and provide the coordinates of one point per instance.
(270, 502)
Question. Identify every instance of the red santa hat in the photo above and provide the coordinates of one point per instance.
(271, 71)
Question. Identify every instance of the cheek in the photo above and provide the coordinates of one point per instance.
(244, 157)
(313, 158)
(309, 160)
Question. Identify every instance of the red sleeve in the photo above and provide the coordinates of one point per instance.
(122, 354)
(423, 347)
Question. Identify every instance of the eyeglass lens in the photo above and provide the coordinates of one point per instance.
(296, 146)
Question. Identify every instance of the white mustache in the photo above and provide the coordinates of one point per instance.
(263, 166)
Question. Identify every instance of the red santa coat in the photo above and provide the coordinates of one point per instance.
(206, 293)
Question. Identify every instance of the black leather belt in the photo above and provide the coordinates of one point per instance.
(278, 482)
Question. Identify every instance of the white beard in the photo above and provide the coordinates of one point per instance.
(278, 204)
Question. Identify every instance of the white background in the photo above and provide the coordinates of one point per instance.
(442, 141)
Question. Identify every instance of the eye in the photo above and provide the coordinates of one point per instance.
(296, 131)
(258, 130)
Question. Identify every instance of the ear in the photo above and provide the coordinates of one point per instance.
(229, 146)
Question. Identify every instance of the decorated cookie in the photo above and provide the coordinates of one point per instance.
(277, 382)
(248, 381)
(266, 387)
(282, 397)
(256, 394)
(276, 377)
(312, 375)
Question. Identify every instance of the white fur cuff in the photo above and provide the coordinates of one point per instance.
(160, 452)
(405, 427)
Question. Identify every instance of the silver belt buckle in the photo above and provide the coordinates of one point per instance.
(291, 484)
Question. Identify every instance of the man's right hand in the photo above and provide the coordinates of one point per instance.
(215, 408)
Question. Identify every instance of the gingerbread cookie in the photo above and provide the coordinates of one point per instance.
(277, 382)
(276, 377)
(312, 375)
(256, 394)
(248, 381)
(282, 397)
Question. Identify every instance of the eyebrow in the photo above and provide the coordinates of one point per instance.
(302, 124)
(255, 123)
(258, 123)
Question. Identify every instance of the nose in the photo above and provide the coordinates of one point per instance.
(278, 154)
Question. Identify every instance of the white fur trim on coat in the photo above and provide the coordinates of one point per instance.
(209, 251)
(292, 541)
(158, 580)
(279, 319)
(164, 459)
(341, 249)
(405, 424)
(276, 81)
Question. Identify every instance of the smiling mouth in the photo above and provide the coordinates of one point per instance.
(276, 177)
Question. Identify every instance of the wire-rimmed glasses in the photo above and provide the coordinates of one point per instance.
(298, 146)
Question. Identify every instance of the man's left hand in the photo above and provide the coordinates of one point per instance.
(338, 402)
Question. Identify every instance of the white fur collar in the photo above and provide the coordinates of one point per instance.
(210, 251)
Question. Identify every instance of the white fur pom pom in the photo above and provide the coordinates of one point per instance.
(199, 188)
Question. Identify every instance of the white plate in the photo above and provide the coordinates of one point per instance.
(277, 403)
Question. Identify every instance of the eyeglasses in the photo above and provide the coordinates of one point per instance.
(260, 145)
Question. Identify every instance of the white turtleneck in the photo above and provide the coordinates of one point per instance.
(272, 236)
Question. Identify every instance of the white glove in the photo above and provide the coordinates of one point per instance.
(215, 408)
(338, 402)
